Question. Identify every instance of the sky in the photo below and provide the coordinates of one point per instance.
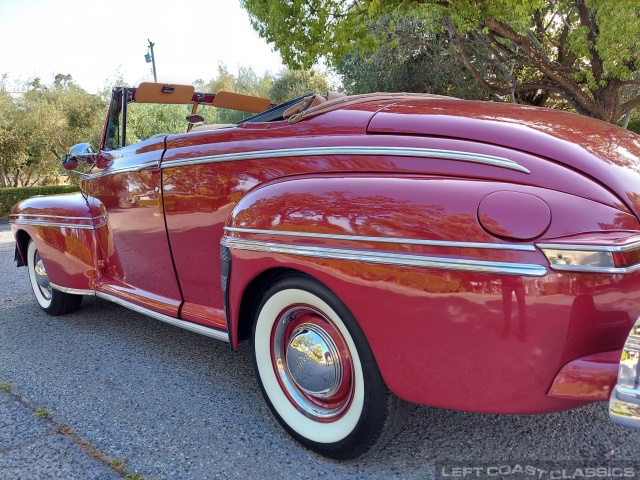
(96, 41)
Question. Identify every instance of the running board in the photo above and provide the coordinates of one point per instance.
(193, 327)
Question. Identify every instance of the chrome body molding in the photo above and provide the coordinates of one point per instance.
(408, 241)
(133, 168)
(58, 221)
(193, 327)
(389, 258)
(587, 258)
(74, 291)
(353, 150)
(624, 403)
(594, 269)
(625, 247)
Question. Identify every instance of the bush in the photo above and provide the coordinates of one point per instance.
(634, 125)
(10, 196)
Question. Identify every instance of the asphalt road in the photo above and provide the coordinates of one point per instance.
(175, 405)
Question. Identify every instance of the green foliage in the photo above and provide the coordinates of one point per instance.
(37, 127)
(304, 30)
(290, 84)
(634, 123)
(147, 119)
(285, 85)
(399, 66)
(531, 51)
(41, 413)
(10, 196)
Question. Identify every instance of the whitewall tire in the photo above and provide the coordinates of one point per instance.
(50, 300)
(317, 372)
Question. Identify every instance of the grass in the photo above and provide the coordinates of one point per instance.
(41, 413)
(117, 464)
(5, 386)
(134, 476)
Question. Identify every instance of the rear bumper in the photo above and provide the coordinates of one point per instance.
(624, 404)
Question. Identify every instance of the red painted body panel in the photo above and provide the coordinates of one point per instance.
(604, 151)
(588, 378)
(133, 244)
(449, 347)
(455, 338)
(436, 334)
(199, 198)
(69, 252)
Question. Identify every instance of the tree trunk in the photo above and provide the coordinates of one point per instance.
(625, 119)
(3, 178)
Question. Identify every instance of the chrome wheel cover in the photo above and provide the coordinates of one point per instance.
(42, 279)
(312, 363)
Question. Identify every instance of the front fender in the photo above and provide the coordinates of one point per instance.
(63, 230)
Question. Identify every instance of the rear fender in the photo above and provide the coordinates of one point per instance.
(421, 261)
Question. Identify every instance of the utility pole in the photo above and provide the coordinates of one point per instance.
(150, 58)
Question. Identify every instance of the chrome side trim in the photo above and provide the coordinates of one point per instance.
(633, 245)
(409, 241)
(193, 327)
(389, 258)
(133, 168)
(354, 150)
(38, 215)
(74, 291)
(592, 269)
(576, 251)
(44, 223)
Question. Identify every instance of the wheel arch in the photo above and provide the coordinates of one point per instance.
(22, 243)
(250, 299)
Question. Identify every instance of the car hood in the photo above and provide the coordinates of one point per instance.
(605, 152)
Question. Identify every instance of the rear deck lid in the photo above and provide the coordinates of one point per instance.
(607, 153)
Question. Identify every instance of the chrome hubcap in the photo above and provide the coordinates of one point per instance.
(42, 279)
(312, 363)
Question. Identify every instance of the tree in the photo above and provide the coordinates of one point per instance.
(290, 84)
(39, 125)
(406, 65)
(285, 85)
(584, 51)
(12, 143)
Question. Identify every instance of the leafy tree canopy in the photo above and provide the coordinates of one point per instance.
(585, 51)
(401, 66)
(38, 126)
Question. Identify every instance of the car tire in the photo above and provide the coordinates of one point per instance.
(317, 372)
(52, 301)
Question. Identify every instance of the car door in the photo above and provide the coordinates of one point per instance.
(135, 261)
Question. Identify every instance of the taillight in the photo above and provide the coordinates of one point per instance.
(626, 259)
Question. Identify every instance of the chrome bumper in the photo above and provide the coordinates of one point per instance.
(624, 404)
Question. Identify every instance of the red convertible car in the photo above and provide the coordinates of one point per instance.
(377, 250)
